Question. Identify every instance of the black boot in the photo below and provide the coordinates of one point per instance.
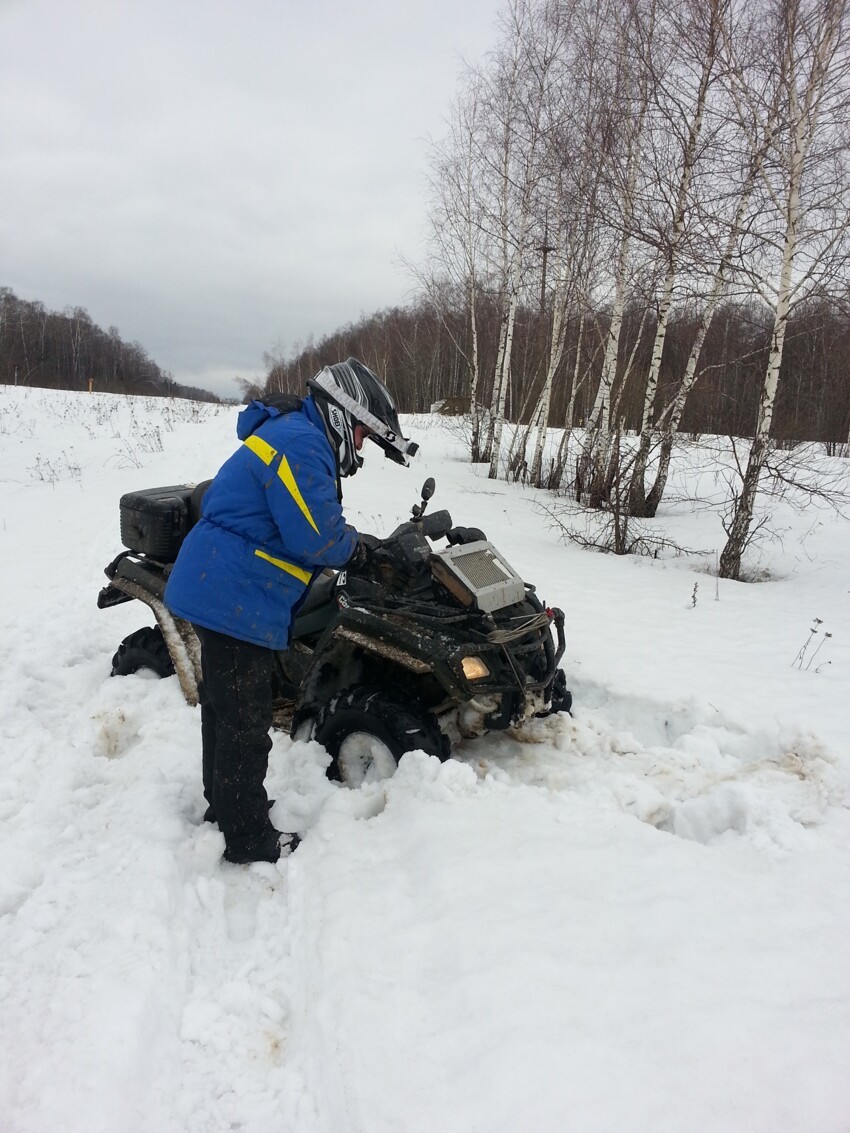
(209, 813)
(271, 849)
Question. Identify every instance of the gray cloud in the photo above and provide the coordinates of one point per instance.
(218, 178)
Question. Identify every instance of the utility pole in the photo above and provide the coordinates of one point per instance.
(545, 248)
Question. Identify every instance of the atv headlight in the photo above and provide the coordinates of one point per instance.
(474, 668)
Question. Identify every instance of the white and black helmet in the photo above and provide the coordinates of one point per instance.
(349, 393)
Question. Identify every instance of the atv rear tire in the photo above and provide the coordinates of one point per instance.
(144, 649)
(366, 732)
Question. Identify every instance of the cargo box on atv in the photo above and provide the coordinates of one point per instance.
(154, 522)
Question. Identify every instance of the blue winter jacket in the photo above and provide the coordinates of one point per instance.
(271, 519)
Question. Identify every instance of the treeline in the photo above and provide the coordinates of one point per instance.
(68, 351)
(423, 356)
(642, 208)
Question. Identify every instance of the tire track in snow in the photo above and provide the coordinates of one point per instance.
(682, 767)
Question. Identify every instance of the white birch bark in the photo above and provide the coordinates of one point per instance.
(503, 377)
(474, 373)
(637, 488)
(802, 123)
(578, 168)
(592, 483)
(672, 415)
(557, 472)
(535, 51)
(457, 235)
(556, 353)
(600, 415)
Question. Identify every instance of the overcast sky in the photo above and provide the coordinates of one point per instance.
(222, 178)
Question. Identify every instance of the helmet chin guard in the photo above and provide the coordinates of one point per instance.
(349, 393)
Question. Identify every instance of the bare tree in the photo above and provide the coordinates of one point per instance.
(803, 183)
(518, 104)
(680, 114)
(613, 182)
(577, 130)
(629, 102)
(459, 231)
(760, 135)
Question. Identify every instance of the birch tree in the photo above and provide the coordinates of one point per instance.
(578, 133)
(459, 232)
(804, 181)
(756, 140)
(681, 98)
(519, 94)
(629, 106)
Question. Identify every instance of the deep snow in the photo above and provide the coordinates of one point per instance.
(633, 919)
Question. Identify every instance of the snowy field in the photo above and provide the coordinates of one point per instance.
(635, 919)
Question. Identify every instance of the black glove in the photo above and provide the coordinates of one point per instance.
(363, 552)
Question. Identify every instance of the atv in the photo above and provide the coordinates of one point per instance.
(416, 648)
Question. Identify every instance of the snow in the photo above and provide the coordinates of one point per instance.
(634, 918)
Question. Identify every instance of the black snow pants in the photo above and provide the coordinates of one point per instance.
(236, 716)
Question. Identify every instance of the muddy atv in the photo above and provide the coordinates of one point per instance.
(417, 649)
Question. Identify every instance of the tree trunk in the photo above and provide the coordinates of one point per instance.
(593, 480)
(802, 123)
(637, 485)
(556, 353)
(474, 376)
(672, 416)
(500, 393)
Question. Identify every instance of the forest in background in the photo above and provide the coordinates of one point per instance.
(640, 224)
(423, 357)
(66, 350)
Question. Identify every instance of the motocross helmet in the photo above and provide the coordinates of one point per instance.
(349, 393)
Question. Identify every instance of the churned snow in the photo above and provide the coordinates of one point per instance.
(635, 918)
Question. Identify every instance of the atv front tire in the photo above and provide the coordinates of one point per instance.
(562, 698)
(366, 732)
(144, 649)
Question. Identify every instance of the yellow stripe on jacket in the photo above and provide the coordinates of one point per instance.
(290, 568)
(267, 454)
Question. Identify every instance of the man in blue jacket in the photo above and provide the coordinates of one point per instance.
(272, 519)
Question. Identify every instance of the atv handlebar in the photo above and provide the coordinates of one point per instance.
(436, 525)
(406, 548)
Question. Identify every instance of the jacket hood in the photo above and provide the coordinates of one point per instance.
(254, 414)
(250, 419)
